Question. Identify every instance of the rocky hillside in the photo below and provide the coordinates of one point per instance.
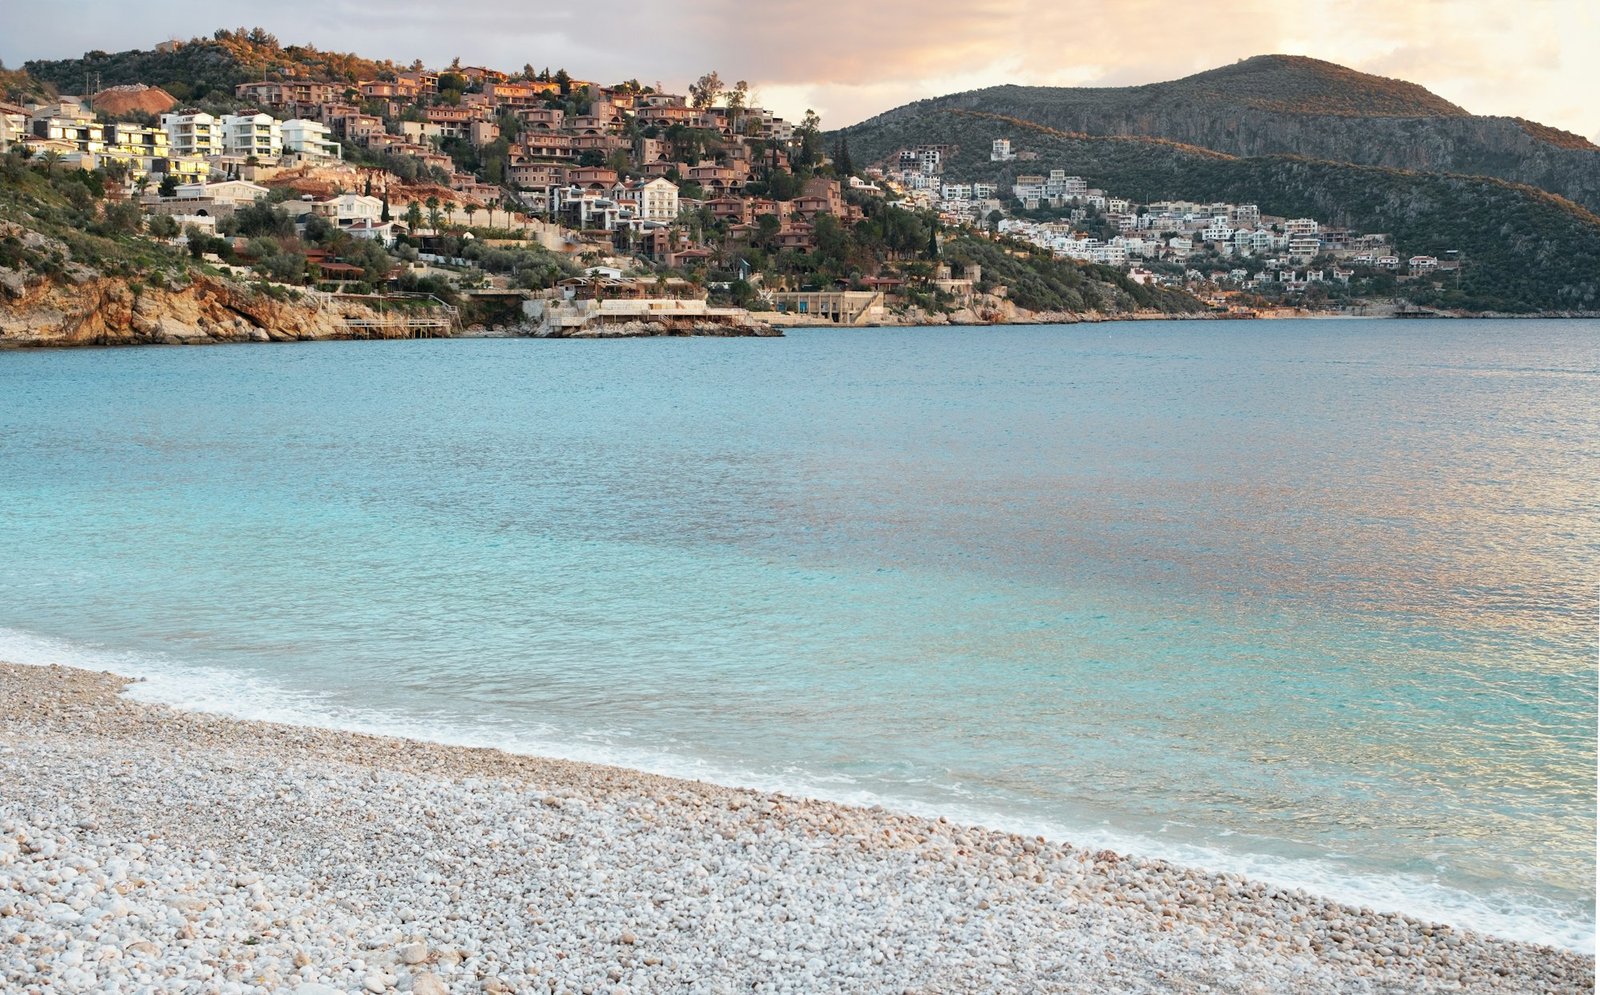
(1291, 105)
(75, 269)
(1526, 250)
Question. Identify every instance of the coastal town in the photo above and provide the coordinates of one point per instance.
(1222, 252)
(699, 203)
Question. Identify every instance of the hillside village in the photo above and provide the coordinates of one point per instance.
(1222, 252)
(538, 185)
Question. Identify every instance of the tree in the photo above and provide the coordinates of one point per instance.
(259, 218)
(413, 216)
(385, 215)
(738, 97)
(471, 208)
(704, 91)
(162, 226)
(433, 213)
(563, 80)
(121, 218)
(842, 166)
(809, 135)
(286, 267)
(169, 186)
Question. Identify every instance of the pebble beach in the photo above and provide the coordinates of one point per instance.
(147, 849)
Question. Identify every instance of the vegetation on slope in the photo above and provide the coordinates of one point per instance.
(1524, 249)
(73, 228)
(209, 67)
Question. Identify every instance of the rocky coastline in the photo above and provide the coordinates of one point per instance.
(98, 310)
(144, 848)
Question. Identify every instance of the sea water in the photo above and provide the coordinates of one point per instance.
(1313, 601)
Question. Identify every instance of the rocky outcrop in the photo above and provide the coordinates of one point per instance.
(90, 309)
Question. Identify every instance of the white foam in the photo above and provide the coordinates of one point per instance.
(224, 692)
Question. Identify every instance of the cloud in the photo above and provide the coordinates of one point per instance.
(850, 59)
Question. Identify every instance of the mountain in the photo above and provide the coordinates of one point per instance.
(1292, 105)
(1526, 249)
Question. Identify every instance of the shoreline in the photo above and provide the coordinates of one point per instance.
(798, 322)
(887, 901)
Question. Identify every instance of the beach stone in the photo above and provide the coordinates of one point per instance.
(412, 953)
(428, 984)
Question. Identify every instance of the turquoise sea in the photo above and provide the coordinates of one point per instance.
(1314, 601)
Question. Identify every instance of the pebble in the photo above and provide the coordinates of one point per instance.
(244, 858)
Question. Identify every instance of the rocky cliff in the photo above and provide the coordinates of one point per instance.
(100, 310)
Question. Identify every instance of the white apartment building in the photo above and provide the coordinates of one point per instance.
(1304, 246)
(84, 134)
(653, 200)
(1301, 226)
(1001, 151)
(145, 150)
(192, 133)
(311, 138)
(258, 135)
(1110, 255)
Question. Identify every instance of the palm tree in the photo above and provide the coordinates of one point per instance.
(52, 159)
(472, 208)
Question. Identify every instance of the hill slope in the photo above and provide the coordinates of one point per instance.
(1526, 249)
(195, 67)
(1291, 105)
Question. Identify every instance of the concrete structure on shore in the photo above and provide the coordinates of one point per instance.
(841, 307)
(638, 316)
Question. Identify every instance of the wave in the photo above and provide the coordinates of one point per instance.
(216, 690)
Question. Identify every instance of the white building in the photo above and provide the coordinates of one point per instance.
(652, 200)
(257, 135)
(234, 192)
(1001, 151)
(192, 133)
(312, 138)
(1301, 226)
(348, 208)
(1303, 247)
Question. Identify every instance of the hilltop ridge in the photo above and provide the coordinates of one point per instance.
(1295, 105)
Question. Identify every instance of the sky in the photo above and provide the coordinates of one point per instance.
(850, 59)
